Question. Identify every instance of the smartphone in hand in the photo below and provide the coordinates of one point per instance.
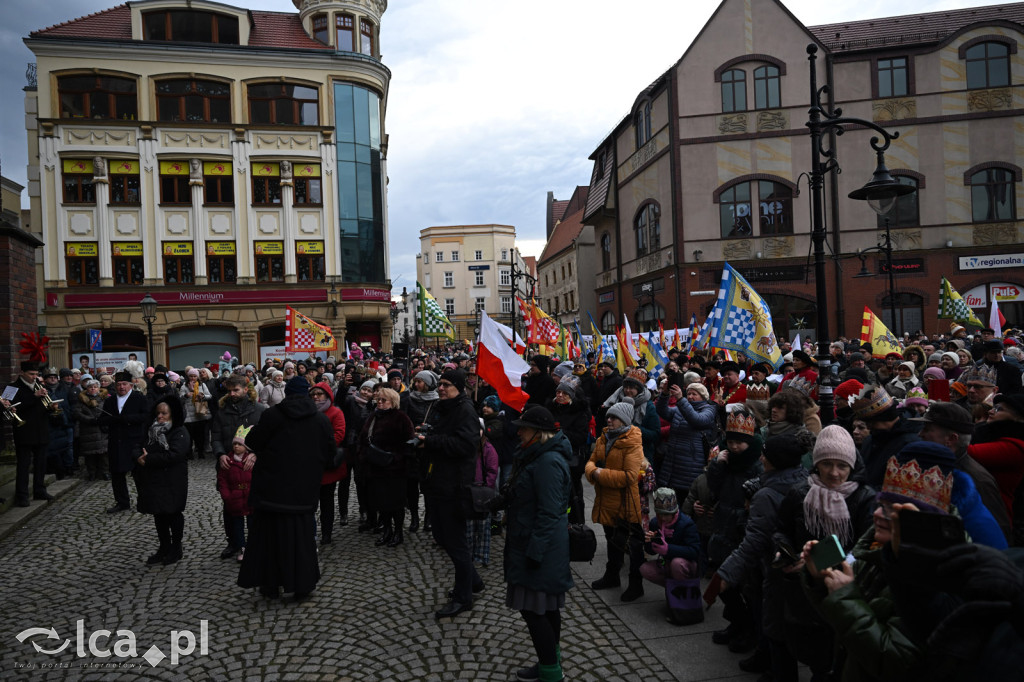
(828, 553)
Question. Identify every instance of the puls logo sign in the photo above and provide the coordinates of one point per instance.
(97, 643)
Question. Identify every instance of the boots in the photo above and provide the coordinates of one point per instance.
(164, 534)
(174, 553)
(635, 590)
(368, 522)
(387, 533)
(414, 521)
(397, 519)
(609, 579)
(396, 538)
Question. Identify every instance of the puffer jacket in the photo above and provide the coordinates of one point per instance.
(725, 481)
(91, 439)
(618, 495)
(271, 393)
(230, 416)
(233, 484)
(337, 418)
(684, 457)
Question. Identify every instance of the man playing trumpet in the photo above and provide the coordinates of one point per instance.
(31, 439)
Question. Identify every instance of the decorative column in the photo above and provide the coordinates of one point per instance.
(102, 217)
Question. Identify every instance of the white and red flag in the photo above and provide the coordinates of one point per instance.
(498, 364)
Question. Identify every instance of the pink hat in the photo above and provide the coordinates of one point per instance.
(149, 369)
(835, 442)
(193, 372)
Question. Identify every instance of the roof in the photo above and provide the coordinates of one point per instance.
(531, 264)
(563, 235)
(269, 29)
(558, 209)
(599, 182)
(911, 29)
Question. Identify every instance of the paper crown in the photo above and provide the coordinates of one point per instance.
(742, 423)
(916, 396)
(929, 486)
(800, 384)
(981, 374)
(637, 373)
(759, 392)
(872, 401)
(240, 434)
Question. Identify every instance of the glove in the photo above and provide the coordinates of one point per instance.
(532, 564)
(659, 546)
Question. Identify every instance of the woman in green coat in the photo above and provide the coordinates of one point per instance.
(537, 545)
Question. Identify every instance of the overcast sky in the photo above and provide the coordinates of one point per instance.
(492, 104)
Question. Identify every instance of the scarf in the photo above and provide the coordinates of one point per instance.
(158, 433)
(825, 510)
(360, 400)
(612, 435)
(423, 396)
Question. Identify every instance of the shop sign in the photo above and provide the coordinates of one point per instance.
(174, 168)
(81, 249)
(127, 248)
(123, 167)
(779, 274)
(177, 248)
(197, 297)
(900, 265)
(1004, 292)
(479, 267)
(606, 297)
(266, 170)
(366, 294)
(216, 168)
(269, 248)
(77, 166)
(996, 260)
(114, 362)
(220, 248)
(309, 248)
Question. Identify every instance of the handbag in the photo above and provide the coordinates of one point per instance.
(339, 457)
(582, 542)
(202, 408)
(481, 494)
(376, 456)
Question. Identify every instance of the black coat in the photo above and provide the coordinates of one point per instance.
(162, 481)
(36, 430)
(881, 445)
(294, 444)
(91, 438)
(540, 387)
(230, 416)
(391, 431)
(126, 430)
(449, 451)
(608, 385)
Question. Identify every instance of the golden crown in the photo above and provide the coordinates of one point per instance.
(759, 392)
(929, 486)
(871, 401)
(982, 374)
(740, 422)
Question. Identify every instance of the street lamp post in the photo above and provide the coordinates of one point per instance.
(881, 191)
(148, 306)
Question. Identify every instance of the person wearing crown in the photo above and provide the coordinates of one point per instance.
(803, 367)
(980, 382)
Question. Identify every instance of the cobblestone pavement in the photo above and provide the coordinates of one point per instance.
(371, 617)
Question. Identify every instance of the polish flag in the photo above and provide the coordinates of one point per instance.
(996, 319)
(498, 364)
(519, 345)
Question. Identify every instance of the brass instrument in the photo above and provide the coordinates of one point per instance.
(47, 400)
(11, 417)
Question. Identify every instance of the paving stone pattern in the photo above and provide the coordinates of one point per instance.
(370, 619)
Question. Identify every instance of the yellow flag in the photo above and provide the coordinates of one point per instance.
(878, 335)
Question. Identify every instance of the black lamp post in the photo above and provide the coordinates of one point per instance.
(516, 275)
(148, 306)
(881, 190)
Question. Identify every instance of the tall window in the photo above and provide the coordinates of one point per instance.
(344, 23)
(307, 183)
(189, 99)
(127, 259)
(103, 97)
(449, 280)
(449, 306)
(478, 278)
(455, 256)
(478, 255)
(647, 228)
(905, 212)
(606, 252)
(505, 278)
(734, 90)
(766, 87)
(82, 264)
(993, 193)
(309, 261)
(988, 66)
(218, 185)
(642, 125)
(504, 254)
(320, 28)
(479, 304)
(608, 323)
(892, 77)
(439, 257)
(174, 187)
(366, 37)
(269, 261)
(78, 184)
(221, 262)
(506, 304)
(775, 209)
(179, 263)
(266, 183)
(190, 26)
(284, 104)
(124, 183)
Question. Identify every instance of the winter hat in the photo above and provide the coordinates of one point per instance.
(87, 377)
(240, 435)
(909, 365)
(783, 451)
(563, 369)
(623, 411)
(492, 402)
(936, 372)
(665, 501)
(541, 361)
(394, 373)
(428, 378)
(193, 372)
(847, 391)
(369, 383)
(456, 377)
(632, 381)
(289, 364)
(174, 376)
(149, 370)
(935, 357)
(570, 386)
(64, 372)
(700, 388)
(328, 377)
(916, 396)
(921, 473)
(835, 442)
(296, 386)
(953, 356)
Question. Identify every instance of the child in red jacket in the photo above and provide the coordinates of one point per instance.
(233, 484)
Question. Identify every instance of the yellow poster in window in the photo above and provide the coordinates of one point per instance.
(174, 168)
(306, 170)
(127, 248)
(269, 248)
(309, 248)
(124, 167)
(263, 169)
(220, 248)
(78, 166)
(81, 249)
(177, 248)
(216, 168)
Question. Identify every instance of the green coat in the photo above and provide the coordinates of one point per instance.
(536, 521)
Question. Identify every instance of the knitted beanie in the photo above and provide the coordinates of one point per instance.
(700, 388)
(455, 377)
(296, 386)
(835, 442)
(623, 411)
(783, 451)
(665, 501)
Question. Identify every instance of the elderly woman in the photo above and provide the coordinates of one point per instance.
(273, 391)
(195, 398)
(998, 444)
(691, 421)
(383, 450)
(91, 438)
(161, 477)
(417, 404)
(906, 379)
(537, 545)
(614, 470)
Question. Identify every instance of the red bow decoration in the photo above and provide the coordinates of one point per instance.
(35, 346)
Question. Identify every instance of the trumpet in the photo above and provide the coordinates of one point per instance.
(47, 400)
(11, 417)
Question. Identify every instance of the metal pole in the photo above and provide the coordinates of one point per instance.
(897, 326)
(149, 324)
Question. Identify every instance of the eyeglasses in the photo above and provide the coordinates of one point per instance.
(383, 401)
(445, 383)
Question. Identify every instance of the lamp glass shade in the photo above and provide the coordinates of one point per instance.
(148, 305)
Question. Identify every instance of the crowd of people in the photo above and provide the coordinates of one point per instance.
(910, 482)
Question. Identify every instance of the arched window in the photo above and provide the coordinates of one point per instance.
(642, 124)
(993, 195)
(988, 65)
(606, 252)
(345, 26)
(608, 323)
(191, 99)
(647, 317)
(647, 229)
(775, 209)
(766, 87)
(909, 309)
(94, 96)
(734, 90)
(734, 211)
(905, 212)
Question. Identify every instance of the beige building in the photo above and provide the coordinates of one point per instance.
(469, 268)
(706, 168)
(229, 162)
